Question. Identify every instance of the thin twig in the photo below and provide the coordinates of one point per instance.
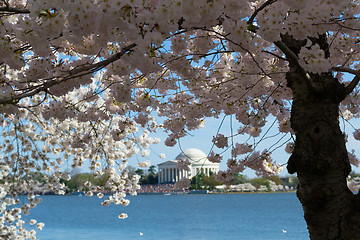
(275, 55)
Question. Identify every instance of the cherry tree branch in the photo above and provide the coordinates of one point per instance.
(264, 5)
(8, 9)
(291, 56)
(275, 55)
(345, 69)
(76, 72)
(350, 87)
(295, 60)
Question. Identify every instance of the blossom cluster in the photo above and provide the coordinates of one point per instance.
(183, 183)
(88, 82)
(183, 164)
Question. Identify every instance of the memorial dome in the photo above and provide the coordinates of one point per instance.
(193, 155)
(169, 172)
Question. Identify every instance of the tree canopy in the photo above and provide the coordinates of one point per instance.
(84, 81)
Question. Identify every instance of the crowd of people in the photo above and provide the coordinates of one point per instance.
(158, 188)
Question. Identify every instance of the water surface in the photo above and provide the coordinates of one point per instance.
(270, 216)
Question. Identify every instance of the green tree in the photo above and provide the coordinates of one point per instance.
(257, 182)
(152, 170)
(197, 181)
(140, 172)
(149, 179)
(210, 182)
(239, 178)
(77, 181)
(276, 179)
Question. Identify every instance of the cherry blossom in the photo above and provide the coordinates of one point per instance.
(289, 147)
(356, 134)
(352, 184)
(224, 176)
(183, 164)
(183, 183)
(214, 157)
(353, 159)
(123, 216)
(220, 141)
(89, 82)
(144, 164)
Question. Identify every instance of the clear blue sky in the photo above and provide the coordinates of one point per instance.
(201, 139)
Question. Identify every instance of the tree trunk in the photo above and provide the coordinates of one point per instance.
(320, 158)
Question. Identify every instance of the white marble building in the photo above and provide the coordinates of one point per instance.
(168, 173)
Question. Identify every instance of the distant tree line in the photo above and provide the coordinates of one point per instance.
(200, 181)
(76, 183)
(203, 182)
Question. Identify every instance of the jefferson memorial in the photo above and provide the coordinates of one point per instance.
(168, 173)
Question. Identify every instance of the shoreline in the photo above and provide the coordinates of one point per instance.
(201, 192)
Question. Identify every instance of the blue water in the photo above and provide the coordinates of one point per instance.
(175, 217)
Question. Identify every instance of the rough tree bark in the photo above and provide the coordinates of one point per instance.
(320, 157)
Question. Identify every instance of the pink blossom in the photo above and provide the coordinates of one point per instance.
(224, 176)
(289, 147)
(183, 164)
(356, 134)
(242, 149)
(215, 158)
(183, 183)
(220, 141)
(353, 159)
(235, 166)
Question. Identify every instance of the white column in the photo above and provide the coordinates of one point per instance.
(172, 174)
(162, 175)
(159, 181)
(169, 177)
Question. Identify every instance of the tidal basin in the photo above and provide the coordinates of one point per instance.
(253, 216)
